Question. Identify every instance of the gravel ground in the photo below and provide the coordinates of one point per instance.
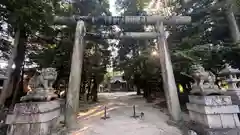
(120, 110)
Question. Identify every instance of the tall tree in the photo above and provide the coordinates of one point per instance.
(15, 15)
(57, 51)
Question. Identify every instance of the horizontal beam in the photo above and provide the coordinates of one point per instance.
(125, 35)
(117, 20)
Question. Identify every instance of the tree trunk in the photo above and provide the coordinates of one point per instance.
(138, 91)
(19, 61)
(83, 90)
(83, 85)
(234, 29)
(144, 93)
(18, 88)
(89, 89)
(145, 90)
(94, 90)
(149, 96)
(148, 92)
(7, 90)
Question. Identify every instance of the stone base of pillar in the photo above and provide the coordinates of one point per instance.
(33, 118)
(215, 114)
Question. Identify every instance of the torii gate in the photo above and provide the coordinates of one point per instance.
(170, 88)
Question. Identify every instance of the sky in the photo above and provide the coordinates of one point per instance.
(114, 12)
(113, 7)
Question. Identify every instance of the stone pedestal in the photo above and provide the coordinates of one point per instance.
(39, 94)
(213, 114)
(33, 118)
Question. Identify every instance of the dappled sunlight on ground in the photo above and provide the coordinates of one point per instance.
(97, 111)
(100, 113)
(120, 109)
(92, 110)
(119, 106)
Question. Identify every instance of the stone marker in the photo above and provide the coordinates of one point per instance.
(211, 114)
(221, 115)
(40, 114)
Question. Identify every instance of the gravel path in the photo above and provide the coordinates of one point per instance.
(120, 110)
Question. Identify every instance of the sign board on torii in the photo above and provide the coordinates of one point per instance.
(165, 60)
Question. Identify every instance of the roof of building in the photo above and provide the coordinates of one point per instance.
(117, 78)
(2, 77)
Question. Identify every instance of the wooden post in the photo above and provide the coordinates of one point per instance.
(72, 101)
(170, 87)
(134, 111)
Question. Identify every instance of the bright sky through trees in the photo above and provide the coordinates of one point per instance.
(113, 49)
(113, 7)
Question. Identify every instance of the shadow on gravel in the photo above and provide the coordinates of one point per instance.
(182, 125)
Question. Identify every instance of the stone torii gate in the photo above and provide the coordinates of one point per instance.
(170, 88)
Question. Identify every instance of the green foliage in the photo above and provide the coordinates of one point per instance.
(51, 46)
(205, 41)
(30, 15)
(128, 5)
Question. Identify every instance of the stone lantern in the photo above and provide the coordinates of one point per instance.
(230, 75)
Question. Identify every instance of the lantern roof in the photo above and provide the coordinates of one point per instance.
(229, 70)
